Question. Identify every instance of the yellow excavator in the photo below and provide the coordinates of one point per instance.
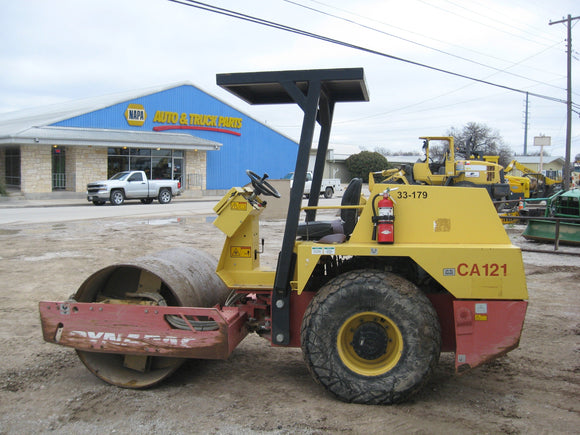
(530, 184)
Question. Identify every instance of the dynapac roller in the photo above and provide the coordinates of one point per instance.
(372, 297)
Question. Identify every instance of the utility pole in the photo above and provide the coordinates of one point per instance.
(566, 172)
(526, 126)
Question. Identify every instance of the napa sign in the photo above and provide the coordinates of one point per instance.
(135, 115)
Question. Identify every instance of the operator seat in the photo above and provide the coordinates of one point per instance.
(339, 230)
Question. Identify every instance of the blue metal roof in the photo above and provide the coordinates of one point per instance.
(180, 116)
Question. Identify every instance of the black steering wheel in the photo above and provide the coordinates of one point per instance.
(261, 186)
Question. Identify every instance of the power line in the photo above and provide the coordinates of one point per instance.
(427, 46)
(566, 172)
(479, 22)
(272, 24)
(495, 19)
(432, 38)
(428, 99)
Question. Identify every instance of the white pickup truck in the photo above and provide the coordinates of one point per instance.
(328, 187)
(132, 185)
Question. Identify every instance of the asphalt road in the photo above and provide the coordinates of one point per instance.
(53, 211)
(50, 212)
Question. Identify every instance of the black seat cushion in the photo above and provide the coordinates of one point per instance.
(315, 230)
(348, 217)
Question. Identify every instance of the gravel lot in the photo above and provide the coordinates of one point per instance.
(45, 388)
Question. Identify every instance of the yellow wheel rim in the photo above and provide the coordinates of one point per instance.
(369, 343)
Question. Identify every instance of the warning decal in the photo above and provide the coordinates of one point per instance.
(320, 250)
(241, 251)
(239, 205)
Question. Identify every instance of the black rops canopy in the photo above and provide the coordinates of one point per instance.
(339, 85)
(316, 92)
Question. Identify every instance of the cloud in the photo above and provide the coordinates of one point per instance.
(67, 49)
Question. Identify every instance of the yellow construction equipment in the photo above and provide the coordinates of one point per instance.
(371, 312)
(530, 184)
(450, 172)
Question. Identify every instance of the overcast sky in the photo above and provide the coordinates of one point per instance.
(55, 51)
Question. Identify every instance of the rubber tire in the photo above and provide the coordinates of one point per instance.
(389, 295)
(117, 197)
(164, 196)
(328, 192)
(98, 202)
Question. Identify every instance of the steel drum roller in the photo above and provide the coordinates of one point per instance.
(175, 277)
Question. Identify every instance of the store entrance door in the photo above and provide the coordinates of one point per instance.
(12, 167)
(58, 168)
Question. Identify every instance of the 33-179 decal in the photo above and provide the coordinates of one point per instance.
(416, 194)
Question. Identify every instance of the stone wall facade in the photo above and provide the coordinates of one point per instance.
(86, 164)
(35, 169)
(195, 170)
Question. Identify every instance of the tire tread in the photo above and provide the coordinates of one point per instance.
(327, 374)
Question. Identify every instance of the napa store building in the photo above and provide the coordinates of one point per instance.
(176, 132)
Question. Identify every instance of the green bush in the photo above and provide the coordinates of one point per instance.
(359, 165)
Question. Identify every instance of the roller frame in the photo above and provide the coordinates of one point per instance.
(141, 329)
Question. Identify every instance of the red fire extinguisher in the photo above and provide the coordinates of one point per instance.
(385, 219)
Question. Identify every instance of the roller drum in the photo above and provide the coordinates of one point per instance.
(176, 277)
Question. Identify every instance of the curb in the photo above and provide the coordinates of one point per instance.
(42, 203)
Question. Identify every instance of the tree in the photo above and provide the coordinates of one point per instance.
(359, 165)
(479, 139)
(383, 151)
(437, 152)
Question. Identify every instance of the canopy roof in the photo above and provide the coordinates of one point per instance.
(340, 85)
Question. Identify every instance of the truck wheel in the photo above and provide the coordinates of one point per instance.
(371, 337)
(164, 196)
(328, 192)
(117, 197)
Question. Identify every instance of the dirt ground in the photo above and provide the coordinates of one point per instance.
(45, 388)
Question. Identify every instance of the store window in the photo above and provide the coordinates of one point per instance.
(140, 160)
(118, 161)
(161, 164)
(12, 166)
(157, 163)
(178, 166)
